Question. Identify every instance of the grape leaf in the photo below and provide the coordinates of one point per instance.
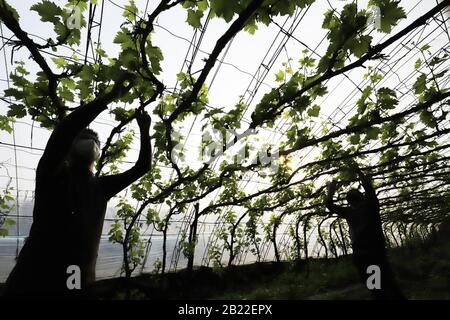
(194, 18)
(314, 111)
(420, 85)
(390, 13)
(48, 11)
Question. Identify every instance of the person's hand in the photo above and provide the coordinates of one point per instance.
(143, 119)
(332, 187)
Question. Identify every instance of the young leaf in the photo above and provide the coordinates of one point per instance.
(48, 11)
(314, 111)
(60, 62)
(194, 18)
(420, 85)
(5, 124)
(418, 64)
(251, 28)
(279, 76)
(130, 11)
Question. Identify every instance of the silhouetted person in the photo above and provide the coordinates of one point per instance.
(69, 208)
(366, 233)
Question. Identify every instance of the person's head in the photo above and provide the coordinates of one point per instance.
(355, 198)
(85, 150)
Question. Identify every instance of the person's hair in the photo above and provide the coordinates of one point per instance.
(88, 134)
(354, 196)
(85, 149)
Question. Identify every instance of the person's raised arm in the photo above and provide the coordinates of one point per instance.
(342, 212)
(113, 184)
(368, 188)
(63, 135)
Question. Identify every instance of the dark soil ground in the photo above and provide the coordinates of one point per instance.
(422, 271)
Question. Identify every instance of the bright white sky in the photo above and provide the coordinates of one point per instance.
(246, 53)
